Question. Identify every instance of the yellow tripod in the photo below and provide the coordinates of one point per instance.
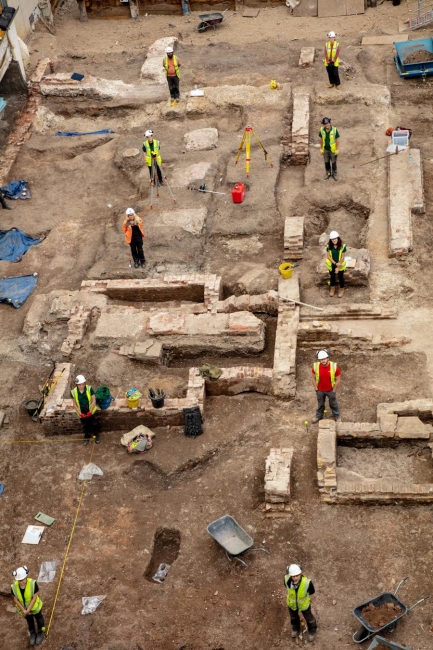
(246, 140)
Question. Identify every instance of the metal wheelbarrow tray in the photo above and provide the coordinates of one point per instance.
(404, 49)
(366, 631)
(392, 645)
(232, 537)
(210, 20)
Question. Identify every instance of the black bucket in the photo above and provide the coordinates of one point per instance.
(31, 406)
(157, 400)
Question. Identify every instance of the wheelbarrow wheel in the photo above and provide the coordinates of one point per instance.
(361, 634)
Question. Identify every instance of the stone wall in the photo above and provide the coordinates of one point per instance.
(277, 482)
(300, 127)
(320, 334)
(241, 379)
(351, 311)
(400, 201)
(417, 181)
(294, 238)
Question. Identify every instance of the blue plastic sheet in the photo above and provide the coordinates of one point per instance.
(16, 290)
(73, 134)
(16, 190)
(14, 243)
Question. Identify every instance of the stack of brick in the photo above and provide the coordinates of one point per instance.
(300, 128)
(320, 334)
(355, 311)
(294, 238)
(388, 426)
(266, 303)
(241, 379)
(277, 482)
(77, 327)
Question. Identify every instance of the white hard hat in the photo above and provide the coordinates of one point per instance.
(148, 133)
(169, 50)
(21, 573)
(129, 211)
(294, 570)
(322, 354)
(332, 35)
(80, 379)
(333, 234)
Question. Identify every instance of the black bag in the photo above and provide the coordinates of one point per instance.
(192, 420)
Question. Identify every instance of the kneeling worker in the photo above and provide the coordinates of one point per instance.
(85, 407)
(29, 605)
(299, 589)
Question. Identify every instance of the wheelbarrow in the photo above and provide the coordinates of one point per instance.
(366, 631)
(210, 20)
(232, 537)
(388, 644)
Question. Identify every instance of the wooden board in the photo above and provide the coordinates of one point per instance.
(250, 12)
(384, 39)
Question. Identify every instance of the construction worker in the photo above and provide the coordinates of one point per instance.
(152, 156)
(134, 234)
(336, 262)
(331, 61)
(329, 137)
(326, 379)
(3, 203)
(85, 406)
(29, 605)
(298, 599)
(171, 65)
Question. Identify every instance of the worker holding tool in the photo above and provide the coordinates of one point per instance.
(85, 407)
(298, 599)
(329, 137)
(3, 203)
(336, 262)
(171, 65)
(326, 379)
(134, 234)
(152, 156)
(29, 605)
(331, 61)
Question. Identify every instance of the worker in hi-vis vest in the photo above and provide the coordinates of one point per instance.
(329, 137)
(298, 599)
(331, 60)
(84, 401)
(326, 379)
(171, 65)
(152, 156)
(29, 605)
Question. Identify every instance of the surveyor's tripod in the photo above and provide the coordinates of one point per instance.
(155, 182)
(246, 140)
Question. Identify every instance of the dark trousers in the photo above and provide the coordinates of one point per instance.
(309, 619)
(90, 427)
(334, 77)
(333, 278)
(158, 171)
(330, 158)
(137, 250)
(31, 622)
(2, 200)
(333, 404)
(173, 86)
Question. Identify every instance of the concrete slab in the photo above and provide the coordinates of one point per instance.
(191, 221)
(119, 327)
(327, 8)
(384, 39)
(354, 7)
(305, 9)
(400, 199)
(184, 176)
(201, 139)
(306, 57)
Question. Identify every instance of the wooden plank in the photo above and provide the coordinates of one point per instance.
(326, 8)
(354, 7)
(384, 39)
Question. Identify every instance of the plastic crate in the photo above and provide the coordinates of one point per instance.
(400, 138)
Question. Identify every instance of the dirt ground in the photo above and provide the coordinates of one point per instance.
(155, 508)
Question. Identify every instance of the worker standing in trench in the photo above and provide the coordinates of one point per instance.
(134, 235)
(336, 262)
(85, 407)
(331, 61)
(171, 66)
(298, 599)
(326, 377)
(152, 157)
(29, 605)
(329, 137)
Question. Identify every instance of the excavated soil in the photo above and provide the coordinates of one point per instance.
(381, 615)
(420, 56)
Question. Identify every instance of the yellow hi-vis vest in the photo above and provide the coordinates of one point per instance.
(176, 67)
(29, 592)
(331, 52)
(333, 370)
(332, 139)
(74, 393)
(150, 153)
(298, 599)
(329, 263)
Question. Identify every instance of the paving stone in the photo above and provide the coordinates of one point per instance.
(201, 139)
(413, 427)
(306, 57)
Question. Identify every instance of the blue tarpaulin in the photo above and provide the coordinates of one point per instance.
(14, 243)
(16, 190)
(16, 290)
(72, 134)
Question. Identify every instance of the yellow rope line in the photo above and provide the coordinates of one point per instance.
(69, 545)
(13, 442)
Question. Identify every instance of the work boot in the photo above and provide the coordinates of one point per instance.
(5, 206)
(176, 101)
(294, 634)
(161, 183)
(334, 176)
(311, 636)
(331, 86)
(173, 103)
(40, 638)
(337, 87)
(143, 264)
(86, 442)
(337, 418)
(315, 420)
(332, 291)
(135, 265)
(327, 176)
(341, 293)
(32, 638)
(97, 440)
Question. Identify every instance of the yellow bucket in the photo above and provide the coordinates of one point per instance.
(286, 270)
(134, 401)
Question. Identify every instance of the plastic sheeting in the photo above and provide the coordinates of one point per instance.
(14, 243)
(16, 190)
(73, 134)
(17, 289)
